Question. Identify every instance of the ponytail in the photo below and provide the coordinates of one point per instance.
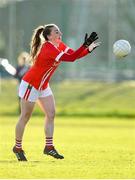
(40, 34)
(35, 42)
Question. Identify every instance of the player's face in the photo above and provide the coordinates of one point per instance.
(55, 35)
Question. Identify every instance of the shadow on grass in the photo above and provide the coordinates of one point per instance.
(15, 161)
(114, 114)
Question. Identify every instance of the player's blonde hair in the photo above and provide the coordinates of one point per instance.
(39, 36)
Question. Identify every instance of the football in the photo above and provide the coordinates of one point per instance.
(121, 48)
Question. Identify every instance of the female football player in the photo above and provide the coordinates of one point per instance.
(47, 52)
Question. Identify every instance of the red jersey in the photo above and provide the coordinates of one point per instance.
(48, 60)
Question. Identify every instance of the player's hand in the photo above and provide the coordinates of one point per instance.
(93, 46)
(89, 40)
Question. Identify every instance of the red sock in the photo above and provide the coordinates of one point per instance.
(49, 142)
(18, 144)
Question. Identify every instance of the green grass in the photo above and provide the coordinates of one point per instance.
(93, 148)
(79, 98)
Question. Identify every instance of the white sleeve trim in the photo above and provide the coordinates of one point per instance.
(59, 56)
(66, 50)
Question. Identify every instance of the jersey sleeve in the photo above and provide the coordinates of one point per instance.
(84, 53)
(69, 50)
(70, 57)
(54, 53)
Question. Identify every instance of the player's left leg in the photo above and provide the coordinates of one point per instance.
(48, 106)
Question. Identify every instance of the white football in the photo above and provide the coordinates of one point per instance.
(121, 48)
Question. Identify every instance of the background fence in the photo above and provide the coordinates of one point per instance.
(112, 19)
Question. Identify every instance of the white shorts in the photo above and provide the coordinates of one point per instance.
(29, 93)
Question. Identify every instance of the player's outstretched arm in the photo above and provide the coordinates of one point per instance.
(71, 57)
(89, 44)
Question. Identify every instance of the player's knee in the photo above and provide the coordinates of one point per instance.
(25, 116)
(51, 115)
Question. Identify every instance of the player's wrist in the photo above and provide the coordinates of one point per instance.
(93, 46)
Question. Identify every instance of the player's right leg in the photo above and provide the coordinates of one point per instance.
(27, 106)
(26, 111)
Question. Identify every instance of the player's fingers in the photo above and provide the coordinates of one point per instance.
(86, 36)
(97, 44)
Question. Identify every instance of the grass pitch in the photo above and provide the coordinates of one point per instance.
(93, 148)
(84, 98)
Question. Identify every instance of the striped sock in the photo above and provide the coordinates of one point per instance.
(18, 144)
(49, 142)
